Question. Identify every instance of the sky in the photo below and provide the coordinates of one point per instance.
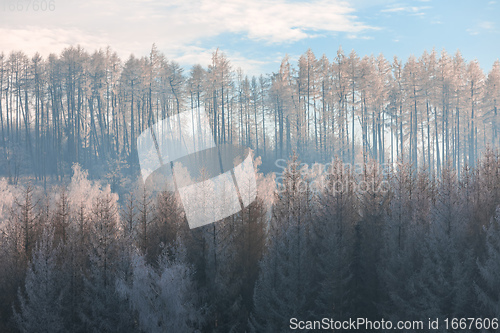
(254, 34)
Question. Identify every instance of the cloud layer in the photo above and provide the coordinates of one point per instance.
(183, 29)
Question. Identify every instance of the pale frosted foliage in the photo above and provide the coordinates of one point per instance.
(281, 291)
(8, 194)
(162, 297)
(83, 192)
(488, 290)
(266, 185)
(40, 307)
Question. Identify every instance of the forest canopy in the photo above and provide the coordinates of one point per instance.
(89, 108)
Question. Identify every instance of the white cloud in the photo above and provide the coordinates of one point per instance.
(394, 10)
(354, 36)
(415, 10)
(486, 25)
(481, 27)
(190, 55)
(175, 25)
(472, 32)
(34, 39)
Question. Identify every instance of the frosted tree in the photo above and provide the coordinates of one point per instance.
(283, 289)
(8, 195)
(447, 259)
(241, 245)
(428, 63)
(164, 298)
(128, 217)
(168, 224)
(353, 75)
(145, 209)
(12, 261)
(480, 188)
(492, 101)
(62, 218)
(72, 61)
(25, 215)
(443, 109)
(40, 305)
(333, 231)
(255, 91)
(459, 93)
(82, 195)
(373, 197)
(82, 192)
(324, 69)
(101, 310)
(366, 75)
(487, 288)
(305, 120)
(475, 89)
(379, 89)
(285, 104)
(396, 106)
(248, 247)
(130, 86)
(220, 79)
(401, 251)
(413, 86)
(172, 75)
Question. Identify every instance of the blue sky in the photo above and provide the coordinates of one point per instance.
(256, 35)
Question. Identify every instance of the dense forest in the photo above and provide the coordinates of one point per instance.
(398, 218)
(75, 260)
(85, 108)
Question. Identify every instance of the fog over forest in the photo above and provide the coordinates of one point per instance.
(378, 185)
